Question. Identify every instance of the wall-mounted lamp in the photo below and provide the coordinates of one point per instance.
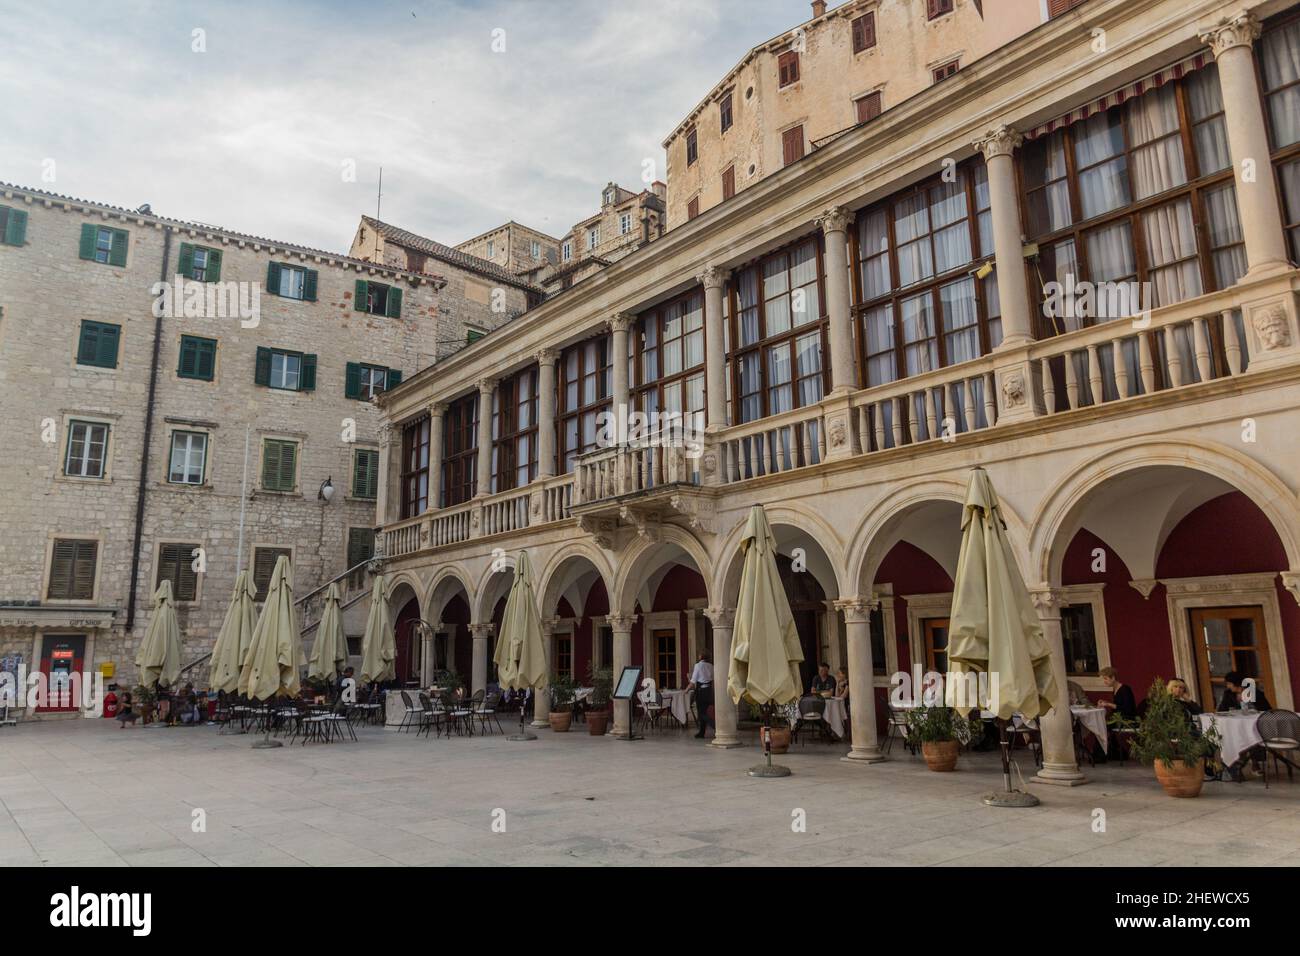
(326, 490)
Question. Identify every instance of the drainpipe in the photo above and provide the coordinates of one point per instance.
(148, 434)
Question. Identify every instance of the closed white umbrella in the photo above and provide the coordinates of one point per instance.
(379, 645)
(159, 656)
(271, 667)
(765, 648)
(520, 652)
(329, 652)
(994, 629)
(235, 636)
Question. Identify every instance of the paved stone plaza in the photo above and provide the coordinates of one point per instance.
(85, 793)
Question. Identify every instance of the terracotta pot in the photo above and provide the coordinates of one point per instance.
(780, 740)
(560, 722)
(597, 722)
(941, 755)
(1182, 779)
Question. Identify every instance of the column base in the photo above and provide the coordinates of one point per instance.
(1272, 267)
(872, 755)
(540, 723)
(1059, 776)
(726, 743)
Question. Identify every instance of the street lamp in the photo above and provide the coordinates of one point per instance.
(326, 490)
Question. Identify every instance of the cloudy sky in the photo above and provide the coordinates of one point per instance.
(256, 132)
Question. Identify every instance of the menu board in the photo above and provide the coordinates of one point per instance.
(628, 682)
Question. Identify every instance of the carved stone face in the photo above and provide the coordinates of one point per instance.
(1013, 389)
(837, 432)
(709, 463)
(1271, 327)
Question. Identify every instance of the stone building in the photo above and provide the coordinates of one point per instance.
(843, 67)
(527, 253)
(479, 293)
(627, 221)
(940, 288)
(124, 433)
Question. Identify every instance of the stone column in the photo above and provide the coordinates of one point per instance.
(865, 748)
(1232, 41)
(486, 389)
(621, 625)
(542, 695)
(998, 145)
(546, 359)
(1056, 726)
(724, 709)
(834, 224)
(619, 326)
(426, 633)
(482, 636)
(715, 353)
(383, 496)
(436, 412)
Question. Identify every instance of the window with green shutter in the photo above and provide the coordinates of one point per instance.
(102, 244)
(200, 263)
(98, 344)
(264, 560)
(377, 299)
(291, 282)
(365, 473)
(198, 358)
(176, 564)
(279, 465)
(473, 335)
(361, 548)
(13, 226)
(72, 570)
(364, 382)
(292, 371)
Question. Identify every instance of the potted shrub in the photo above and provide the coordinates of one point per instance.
(1169, 739)
(940, 731)
(602, 683)
(146, 699)
(778, 720)
(563, 690)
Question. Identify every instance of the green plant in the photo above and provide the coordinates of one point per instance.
(602, 683)
(144, 696)
(563, 691)
(448, 680)
(1167, 732)
(932, 725)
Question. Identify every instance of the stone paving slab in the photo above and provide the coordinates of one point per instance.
(82, 793)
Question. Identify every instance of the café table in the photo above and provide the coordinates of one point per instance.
(1238, 732)
(679, 703)
(1093, 720)
(835, 715)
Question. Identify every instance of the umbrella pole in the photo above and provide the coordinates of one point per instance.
(1008, 797)
(266, 743)
(768, 769)
(524, 733)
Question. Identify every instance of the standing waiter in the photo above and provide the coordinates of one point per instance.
(702, 683)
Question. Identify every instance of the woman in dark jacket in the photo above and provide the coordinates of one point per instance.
(1124, 703)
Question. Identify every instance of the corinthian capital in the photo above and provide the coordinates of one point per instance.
(1002, 141)
(1241, 30)
(621, 623)
(547, 356)
(620, 321)
(710, 277)
(835, 219)
(721, 616)
(487, 386)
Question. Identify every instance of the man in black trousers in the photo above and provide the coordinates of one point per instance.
(702, 683)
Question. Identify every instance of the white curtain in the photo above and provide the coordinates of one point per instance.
(1224, 227)
(1280, 53)
(960, 321)
(1102, 187)
(878, 328)
(1171, 250)
(1205, 99)
(1158, 150)
(919, 348)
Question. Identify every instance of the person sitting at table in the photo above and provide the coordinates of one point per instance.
(842, 685)
(1122, 700)
(702, 683)
(187, 709)
(1234, 689)
(823, 685)
(1178, 689)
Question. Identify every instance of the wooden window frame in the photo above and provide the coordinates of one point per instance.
(692, 147)
(460, 451)
(1279, 155)
(567, 410)
(171, 451)
(98, 327)
(693, 208)
(787, 69)
(765, 342)
(72, 595)
(934, 9)
(944, 70)
(787, 154)
(413, 465)
(863, 29)
(182, 553)
(726, 113)
(297, 463)
(873, 106)
(728, 182)
(373, 454)
(506, 432)
(198, 344)
(278, 552)
(89, 424)
(660, 316)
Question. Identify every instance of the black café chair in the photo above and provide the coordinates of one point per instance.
(1280, 730)
(812, 717)
(413, 714)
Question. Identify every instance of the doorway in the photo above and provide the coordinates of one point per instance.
(62, 661)
(1229, 639)
(934, 631)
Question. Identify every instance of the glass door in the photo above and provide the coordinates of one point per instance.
(1229, 639)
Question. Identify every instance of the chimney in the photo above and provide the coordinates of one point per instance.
(819, 7)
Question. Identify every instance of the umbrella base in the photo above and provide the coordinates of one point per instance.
(1014, 798)
(523, 736)
(267, 745)
(768, 770)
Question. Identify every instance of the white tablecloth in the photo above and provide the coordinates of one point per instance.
(582, 693)
(1093, 720)
(835, 716)
(679, 701)
(1238, 732)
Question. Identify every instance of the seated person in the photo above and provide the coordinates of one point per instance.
(1122, 703)
(1078, 696)
(1178, 689)
(823, 685)
(842, 684)
(1233, 689)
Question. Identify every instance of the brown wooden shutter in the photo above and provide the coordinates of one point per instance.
(868, 107)
(693, 208)
(176, 564)
(263, 567)
(1057, 7)
(788, 67)
(72, 570)
(729, 182)
(792, 145)
(864, 32)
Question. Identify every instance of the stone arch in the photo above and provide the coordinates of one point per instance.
(644, 557)
(400, 588)
(563, 573)
(493, 585)
(448, 581)
(1062, 511)
(794, 525)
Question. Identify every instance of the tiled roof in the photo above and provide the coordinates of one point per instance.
(206, 228)
(454, 257)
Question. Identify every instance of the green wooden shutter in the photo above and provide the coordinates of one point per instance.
(88, 346)
(352, 381)
(394, 378)
(107, 353)
(365, 474)
(264, 560)
(176, 564)
(98, 344)
(186, 266)
(88, 233)
(363, 291)
(262, 368)
(394, 303)
(307, 377)
(273, 278)
(189, 363)
(288, 465)
(15, 228)
(213, 273)
(309, 286)
(83, 569)
(72, 569)
(361, 545)
(117, 251)
(198, 358)
(278, 465)
(207, 359)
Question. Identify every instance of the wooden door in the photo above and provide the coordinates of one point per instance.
(935, 634)
(1229, 639)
